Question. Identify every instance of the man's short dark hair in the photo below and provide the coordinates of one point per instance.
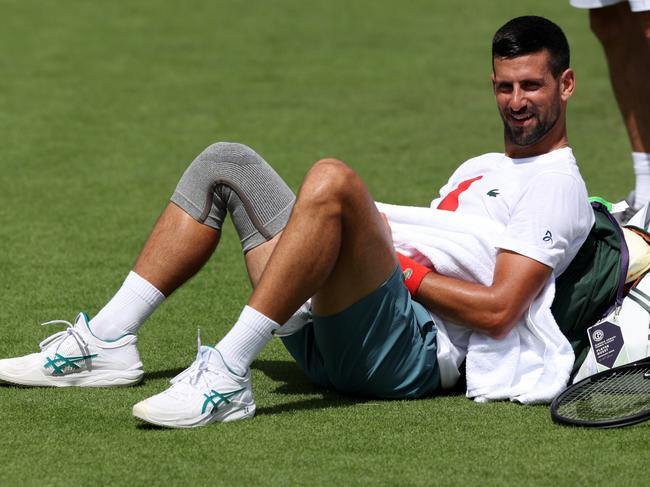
(528, 35)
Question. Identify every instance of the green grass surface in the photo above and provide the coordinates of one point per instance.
(102, 105)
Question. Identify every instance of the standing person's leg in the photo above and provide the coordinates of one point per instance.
(224, 178)
(625, 37)
(644, 19)
(337, 249)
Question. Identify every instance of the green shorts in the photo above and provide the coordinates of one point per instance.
(382, 346)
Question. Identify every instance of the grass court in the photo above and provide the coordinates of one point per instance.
(102, 106)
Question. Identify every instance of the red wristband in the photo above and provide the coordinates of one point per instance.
(413, 273)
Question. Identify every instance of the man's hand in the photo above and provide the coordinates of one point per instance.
(494, 309)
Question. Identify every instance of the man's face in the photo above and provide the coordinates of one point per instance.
(529, 98)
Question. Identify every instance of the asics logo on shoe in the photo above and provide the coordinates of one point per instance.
(223, 399)
(59, 362)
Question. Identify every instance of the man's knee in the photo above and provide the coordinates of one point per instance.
(206, 165)
(219, 163)
(209, 166)
(331, 180)
(232, 177)
(232, 152)
(333, 171)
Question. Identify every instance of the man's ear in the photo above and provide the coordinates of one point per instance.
(493, 79)
(567, 84)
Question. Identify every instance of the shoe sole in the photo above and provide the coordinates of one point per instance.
(107, 378)
(246, 412)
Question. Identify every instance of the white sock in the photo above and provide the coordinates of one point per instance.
(642, 172)
(244, 341)
(126, 311)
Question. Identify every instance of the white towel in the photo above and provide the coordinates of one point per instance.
(533, 362)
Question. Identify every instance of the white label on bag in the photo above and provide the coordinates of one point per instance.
(606, 339)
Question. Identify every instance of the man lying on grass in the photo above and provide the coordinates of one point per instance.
(356, 316)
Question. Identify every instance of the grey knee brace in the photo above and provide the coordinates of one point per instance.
(233, 177)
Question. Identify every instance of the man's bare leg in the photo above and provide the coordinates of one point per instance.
(256, 259)
(625, 37)
(225, 177)
(336, 247)
(177, 248)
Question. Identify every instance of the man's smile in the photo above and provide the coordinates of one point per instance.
(520, 119)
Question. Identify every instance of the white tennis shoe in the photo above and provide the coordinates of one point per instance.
(205, 392)
(75, 357)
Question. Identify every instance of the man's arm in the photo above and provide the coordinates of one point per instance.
(494, 309)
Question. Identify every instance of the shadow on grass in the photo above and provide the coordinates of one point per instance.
(158, 374)
(325, 400)
(17, 386)
(142, 426)
(293, 381)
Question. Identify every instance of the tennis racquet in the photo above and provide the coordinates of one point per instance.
(614, 397)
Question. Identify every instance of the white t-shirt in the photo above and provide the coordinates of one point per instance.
(540, 208)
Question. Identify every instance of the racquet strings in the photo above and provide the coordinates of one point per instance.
(619, 395)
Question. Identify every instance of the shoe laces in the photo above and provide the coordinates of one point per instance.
(58, 338)
(197, 370)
